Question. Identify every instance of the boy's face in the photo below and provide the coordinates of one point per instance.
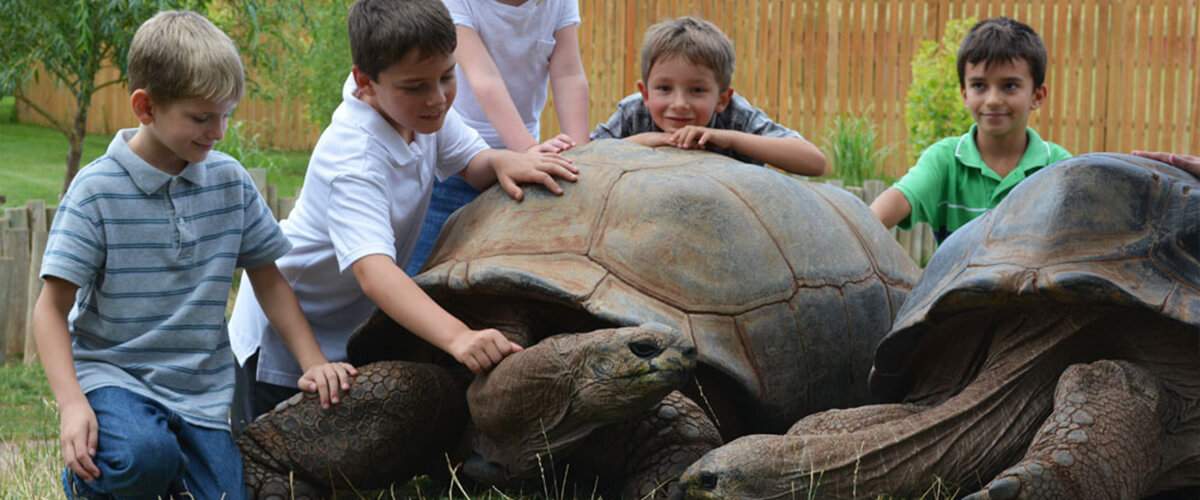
(1000, 96)
(182, 131)
(413, 94)
(679, 93)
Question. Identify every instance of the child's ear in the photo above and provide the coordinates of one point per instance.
(642, 88)
(723, 99)
(1039, 96)
(364, 83)
(143, 106)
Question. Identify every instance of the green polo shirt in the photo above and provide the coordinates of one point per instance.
(950, 185)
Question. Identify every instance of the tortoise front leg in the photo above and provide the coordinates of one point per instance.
(1103, 440)
(643, 457)
(397, 418)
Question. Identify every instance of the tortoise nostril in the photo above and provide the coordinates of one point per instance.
(708, 480)
(645, 350)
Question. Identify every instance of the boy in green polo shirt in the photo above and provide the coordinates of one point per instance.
(1001, 74)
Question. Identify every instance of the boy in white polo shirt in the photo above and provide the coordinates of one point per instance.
(366, 192)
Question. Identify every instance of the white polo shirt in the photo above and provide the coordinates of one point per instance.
(365, 193)
(520, 40)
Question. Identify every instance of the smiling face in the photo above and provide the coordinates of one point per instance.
(413, 94)
(180, 132)
(1000, 96)
(679, 93)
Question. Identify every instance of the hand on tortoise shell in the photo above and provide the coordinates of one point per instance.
(329, 380)
(480, 350)
(558, 144)
(1187, 162)
(534, 168)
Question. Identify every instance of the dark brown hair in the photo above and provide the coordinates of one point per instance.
(382, 32)
(1001, 40)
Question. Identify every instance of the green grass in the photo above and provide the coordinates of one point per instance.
(26, 405)
(33, 161)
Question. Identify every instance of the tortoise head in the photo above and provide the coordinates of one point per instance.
(755, 466)
(541, 401)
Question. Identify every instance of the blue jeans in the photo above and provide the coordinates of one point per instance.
(447, 197)
(148, 451)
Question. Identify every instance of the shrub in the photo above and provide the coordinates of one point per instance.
(244, 147)
(934, 108)
(850, 145)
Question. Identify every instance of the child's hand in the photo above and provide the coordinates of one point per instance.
(697, 137)
(480, 350)
(1186, 162)
(652, 139)
(558, 144)
(329, 380)
(79, 433)
(533, 168)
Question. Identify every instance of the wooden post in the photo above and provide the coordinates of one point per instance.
(38, 232)
(286, 204)
(7, 264)
(16, 244)
(872, 189)
(259, 175)
(272, 200)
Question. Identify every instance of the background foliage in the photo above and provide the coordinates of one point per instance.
(934, 109)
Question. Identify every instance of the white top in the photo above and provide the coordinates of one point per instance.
(365, 193)
(520, 40)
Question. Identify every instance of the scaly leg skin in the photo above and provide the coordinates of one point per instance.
(1103, 440)
(852, 420)
(645, 456)
(397, 418)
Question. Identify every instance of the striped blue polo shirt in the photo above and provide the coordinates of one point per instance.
(153, 256)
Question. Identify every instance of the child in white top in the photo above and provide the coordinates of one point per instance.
(365, 194)
(507, 51)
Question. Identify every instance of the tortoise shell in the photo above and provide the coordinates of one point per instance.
(785, 286)
(1102, 229)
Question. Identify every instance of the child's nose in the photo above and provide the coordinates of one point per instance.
(217, 132)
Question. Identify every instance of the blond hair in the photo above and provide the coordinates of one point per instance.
(179, 55)
(700, 42)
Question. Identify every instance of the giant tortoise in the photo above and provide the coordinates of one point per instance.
(782, 286)
(1050, 350)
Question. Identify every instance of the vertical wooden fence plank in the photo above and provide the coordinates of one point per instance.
(38, 232)
(17, 248)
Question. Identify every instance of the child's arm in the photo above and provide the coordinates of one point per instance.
(401, 299)
(793, 154)
(570, 84)
(510, 168)
(78, 430)
(283, 310)
(891, 207)
(488, 85)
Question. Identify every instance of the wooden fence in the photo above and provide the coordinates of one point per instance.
(23, 233)
(1122, 73)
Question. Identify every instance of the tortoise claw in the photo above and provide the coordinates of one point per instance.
(1026, 480)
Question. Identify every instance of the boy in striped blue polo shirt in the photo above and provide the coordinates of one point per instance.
(130, 325)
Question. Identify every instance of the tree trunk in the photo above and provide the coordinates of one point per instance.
(75, 137)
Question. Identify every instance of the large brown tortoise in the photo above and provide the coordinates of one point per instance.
(1051, 350)
(774, 289)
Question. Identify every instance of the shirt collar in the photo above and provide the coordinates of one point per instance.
(1037, 155)
(360, 114)
(145, 176)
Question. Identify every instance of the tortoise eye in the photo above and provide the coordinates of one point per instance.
(708, 481)
(644, 350)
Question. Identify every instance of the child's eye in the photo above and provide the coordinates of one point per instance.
(699, 90)
(199, 118)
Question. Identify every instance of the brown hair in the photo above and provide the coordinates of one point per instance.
(1001, 40)
(382, 32)
(180, 54)
(700, 41)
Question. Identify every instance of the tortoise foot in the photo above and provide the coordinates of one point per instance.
(1103, 439)
(1026, 480)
